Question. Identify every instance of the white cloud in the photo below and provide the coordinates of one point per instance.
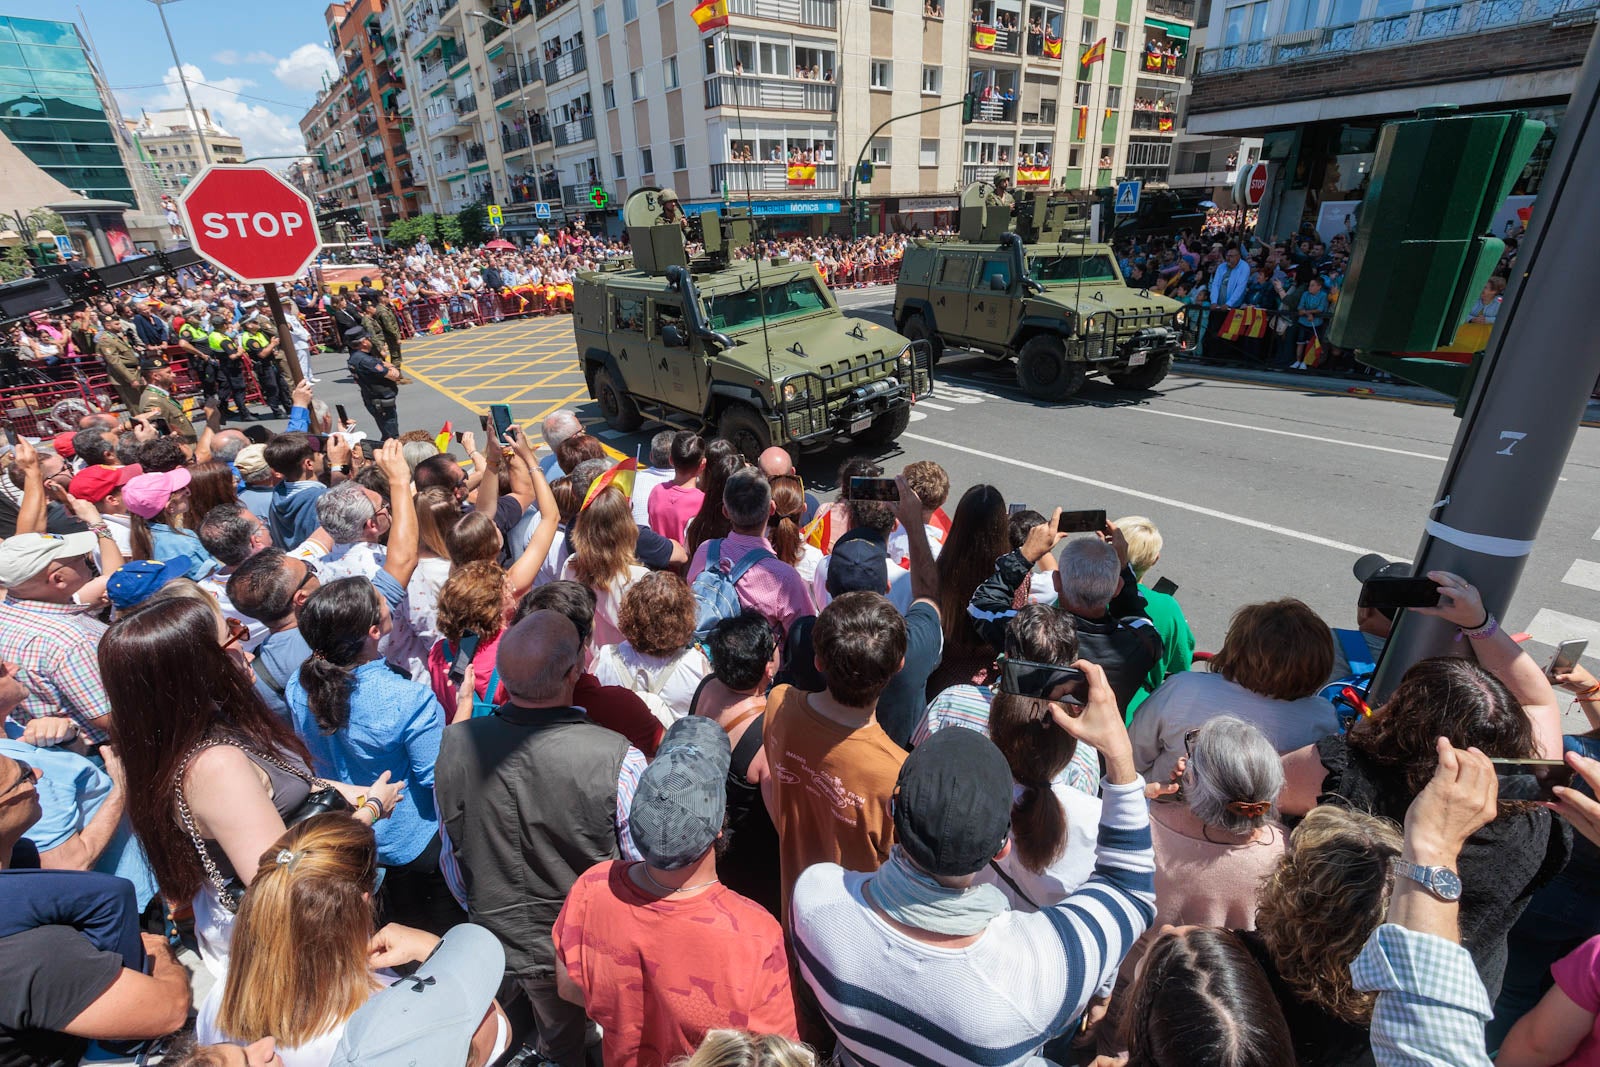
(305, 67)
(230, 58)
(263, 130)
(227, 57)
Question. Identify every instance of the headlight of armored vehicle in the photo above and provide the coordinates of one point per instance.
(792, 392)
(1180, 317)
(905, 360)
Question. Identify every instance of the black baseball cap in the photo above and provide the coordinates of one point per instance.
(1373, 565)
(952, 804)
(859, 563)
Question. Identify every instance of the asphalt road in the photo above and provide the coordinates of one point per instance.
(1260, 492)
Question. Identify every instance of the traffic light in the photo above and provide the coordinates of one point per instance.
(969, 107)
(864, 172)
(1423, 249)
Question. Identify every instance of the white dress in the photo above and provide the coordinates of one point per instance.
(608, 602)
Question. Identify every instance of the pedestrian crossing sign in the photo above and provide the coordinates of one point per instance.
(495, 217)
(1128, 198)
(541, 210)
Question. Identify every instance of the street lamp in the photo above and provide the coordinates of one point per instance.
(522, 90)
(194, 117)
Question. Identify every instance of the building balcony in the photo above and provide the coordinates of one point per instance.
(1183, 10)
(819, 13)
(402, 100)
(566, 65)
(982, 172)
(450, 163)
(1154, 122)
(382, 185)
(438, 125)
(467, 105)
(366, 124)
(995, 110)
(1164, 65)
(515, 141)
(532, 73)
(532, 190)
(475, 153)
(505, 85)
(575, 132)
(542, 8)
(1045, 46)
(778, 94)
(992, 40)
(775, 177)
(431, 77)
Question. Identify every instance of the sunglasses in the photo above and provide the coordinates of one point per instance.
(1188, 741)
(237, 631)
(25, 773)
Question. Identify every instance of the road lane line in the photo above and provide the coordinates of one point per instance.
(1553, 627)
(1287, 433)
(1584, 574)
(935, 407)
(1139, 494)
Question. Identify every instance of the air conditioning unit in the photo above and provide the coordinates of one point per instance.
(1298, 37)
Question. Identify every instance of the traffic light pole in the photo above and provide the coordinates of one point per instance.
(1527, 401)
(855, 173)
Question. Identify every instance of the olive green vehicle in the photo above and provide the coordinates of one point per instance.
(759, 352)
(1027, 285)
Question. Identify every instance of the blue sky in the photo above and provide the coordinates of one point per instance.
(255, 65)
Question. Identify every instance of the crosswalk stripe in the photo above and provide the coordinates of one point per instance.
(1583, 573)
(1596, 536)
(1553, 627)
(935, 407)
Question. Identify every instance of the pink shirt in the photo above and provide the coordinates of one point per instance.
(1577, 974)
(440, 661)
(771, 587)
(671, 507)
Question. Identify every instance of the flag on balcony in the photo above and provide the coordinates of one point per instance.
(983, 38)
(1164, 124)
(1095, 54)
(802, 174)
(1052, 47)
(1083, 123)
(710, 15)
(1033, 175)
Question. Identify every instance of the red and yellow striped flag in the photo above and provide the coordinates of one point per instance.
(1083, 124)
(802, 174)
(983, 38)
(819, 534)
(1095, 54)
(436, 326)
(442, 441)
(711, 15)
(621, 476)
(1033, 175)
(1052, 47)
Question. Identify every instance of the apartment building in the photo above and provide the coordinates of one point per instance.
(355, 125)
(1316, 79)
(558, 108)
(175, 151)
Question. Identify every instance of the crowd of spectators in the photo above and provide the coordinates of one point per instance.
(318, 754)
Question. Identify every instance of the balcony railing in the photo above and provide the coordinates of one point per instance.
(402, 100)
(467, 105)
(775, 177)
(546, 7)
(822, 13)
(995, 110)
(382, 185)
(437, 124)
(565, 65)
(430, 77)
(993, 39)
(570, 133)
(505, 85)
(366, 124)
(1172, 9)
(450, 163)
(1166, 65)
(1155, 121)
(532, 73)
(982, 172)
(515, 141)
(1046, 46)
(475, 153)
(578, 196)
(783, 94)
(1394, 31)
(529, 190)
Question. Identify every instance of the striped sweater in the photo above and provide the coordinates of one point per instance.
(896, 1001)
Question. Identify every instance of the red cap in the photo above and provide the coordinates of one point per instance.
(94, 484)
(63, 445)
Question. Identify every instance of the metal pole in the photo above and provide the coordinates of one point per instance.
(194, 116)
(285, 339)
(1526, 404)
(868, 144)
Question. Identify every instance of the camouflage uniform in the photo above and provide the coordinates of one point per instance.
(122, 364)
(374, 331)
(997, 197)
(390, 324)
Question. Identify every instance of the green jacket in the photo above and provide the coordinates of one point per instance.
(1176, 637)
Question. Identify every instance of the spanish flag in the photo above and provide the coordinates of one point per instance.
(621, 476)
(710, 15)
(1095, 54)
(1033, 175)
(1164, 124)
(436, 326)
(983, 38)
(1315, 355)
(802, 174)
(1083, 124)
(1052, 47)
(819, 534)
(442, 441)
(613, 453)
(1244, 322)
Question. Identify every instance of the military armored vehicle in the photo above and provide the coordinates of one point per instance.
(1023, 282)
(757, 351)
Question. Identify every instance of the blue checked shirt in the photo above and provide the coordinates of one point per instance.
(56, 646)
(1431, 1003)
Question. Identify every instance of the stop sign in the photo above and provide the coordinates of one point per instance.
(1255, 188)
(250, 222)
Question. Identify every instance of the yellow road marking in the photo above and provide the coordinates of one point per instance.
(472, 367)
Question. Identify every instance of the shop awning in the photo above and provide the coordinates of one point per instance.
(1171, 29)
(495, 52)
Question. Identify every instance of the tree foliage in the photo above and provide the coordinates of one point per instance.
(474, 222)
(438, 229)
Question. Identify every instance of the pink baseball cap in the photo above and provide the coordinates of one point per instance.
(146, 495)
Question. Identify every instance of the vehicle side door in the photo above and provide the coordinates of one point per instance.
(996, 292)
(629, 346)
(949, 292)
(682, 372)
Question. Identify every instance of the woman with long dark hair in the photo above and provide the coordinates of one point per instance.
(210, 484)
(360, 719)
(978, 536)
(709, 523)
(211, 773)
(785, 529)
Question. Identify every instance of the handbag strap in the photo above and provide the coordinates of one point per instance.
(186, 817)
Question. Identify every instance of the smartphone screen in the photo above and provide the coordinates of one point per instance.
(1165, 585)
(1082, 521)
(874, 489)
(163, 427)
(1567, 655)
(483, 420)
(344, 416)
(458, 436)
(501, 414)
(1399, 593)
(1016, 509)
(1531, 779)
(1044, 681)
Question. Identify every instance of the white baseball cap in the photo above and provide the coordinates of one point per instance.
(25, 555)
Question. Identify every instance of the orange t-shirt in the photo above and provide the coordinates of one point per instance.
(831, 785)
(658, 974)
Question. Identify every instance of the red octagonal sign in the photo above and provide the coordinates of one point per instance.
(1255, 189)
(250, 222)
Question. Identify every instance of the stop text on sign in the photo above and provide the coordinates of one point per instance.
(251, 224)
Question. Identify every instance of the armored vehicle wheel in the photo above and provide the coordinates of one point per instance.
(618, 408)
(917, 329)
(1145, 377)
(886, 428)
(746, 429)
(1044, 371)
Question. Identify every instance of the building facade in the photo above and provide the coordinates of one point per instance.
(563, 106)
(1316, 79)
(174, 151)
(355, 129)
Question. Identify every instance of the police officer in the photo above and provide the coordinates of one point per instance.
(264, 356)
(377, 381)
(122, 361)
(191, 337)
(389, 324)
(231, 382)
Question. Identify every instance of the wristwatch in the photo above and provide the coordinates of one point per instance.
(1442, 882)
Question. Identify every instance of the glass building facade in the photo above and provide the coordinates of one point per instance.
(51, 109)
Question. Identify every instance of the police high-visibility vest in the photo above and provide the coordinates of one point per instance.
(193, 334)
(254, 337)
(220, 343)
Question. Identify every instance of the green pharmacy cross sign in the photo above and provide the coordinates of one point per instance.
(599, 197)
